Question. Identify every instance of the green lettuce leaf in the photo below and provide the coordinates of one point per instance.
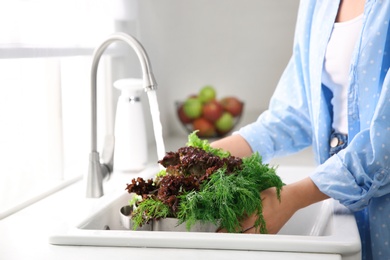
(195, 141)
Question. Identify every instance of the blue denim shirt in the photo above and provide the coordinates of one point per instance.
(300, 115)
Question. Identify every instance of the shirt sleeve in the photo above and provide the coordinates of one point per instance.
(360, 172)
(285, 127)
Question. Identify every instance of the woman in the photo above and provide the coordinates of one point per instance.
(334, 95)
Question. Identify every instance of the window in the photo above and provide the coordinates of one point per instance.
(55, 23)
(45, 59)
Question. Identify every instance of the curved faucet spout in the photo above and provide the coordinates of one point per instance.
(97, 171)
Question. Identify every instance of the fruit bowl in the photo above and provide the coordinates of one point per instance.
(208, 127)
(211, 117)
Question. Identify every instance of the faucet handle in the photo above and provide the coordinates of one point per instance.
(98, 171)
(108, 152)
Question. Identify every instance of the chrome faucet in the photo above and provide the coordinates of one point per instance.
(99, 170)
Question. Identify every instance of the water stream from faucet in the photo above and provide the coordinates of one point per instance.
(157, 127)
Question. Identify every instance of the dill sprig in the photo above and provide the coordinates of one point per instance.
(263, 174)
(149, 209)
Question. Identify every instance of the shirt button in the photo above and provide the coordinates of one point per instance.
(334, 142)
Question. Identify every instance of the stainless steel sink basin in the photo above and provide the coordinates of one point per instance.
(325, 227)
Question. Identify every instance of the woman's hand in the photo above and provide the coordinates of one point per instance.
(293, 196)
(276, 213)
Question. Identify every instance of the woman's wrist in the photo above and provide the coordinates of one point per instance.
(302, 194)
(235, 144)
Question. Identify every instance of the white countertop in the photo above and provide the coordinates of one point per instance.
(24, 235)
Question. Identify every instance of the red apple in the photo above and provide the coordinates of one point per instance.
(232, 105)
(212, 110)
(182, 115)
(206, 129)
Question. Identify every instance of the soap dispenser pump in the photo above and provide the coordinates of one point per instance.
(130, 134)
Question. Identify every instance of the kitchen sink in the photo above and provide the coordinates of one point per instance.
(325, 227)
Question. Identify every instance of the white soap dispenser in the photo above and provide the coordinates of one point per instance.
(130, 153)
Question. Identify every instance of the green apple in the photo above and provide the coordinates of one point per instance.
(192, 107)
(207, 93)
(225, 123)
(182, 116)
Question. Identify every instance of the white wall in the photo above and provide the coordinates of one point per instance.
(239, 46)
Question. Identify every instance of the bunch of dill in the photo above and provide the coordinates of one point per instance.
(227, 199)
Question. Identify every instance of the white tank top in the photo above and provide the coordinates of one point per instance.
(335, 74)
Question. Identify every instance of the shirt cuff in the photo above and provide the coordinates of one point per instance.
(353, 188)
